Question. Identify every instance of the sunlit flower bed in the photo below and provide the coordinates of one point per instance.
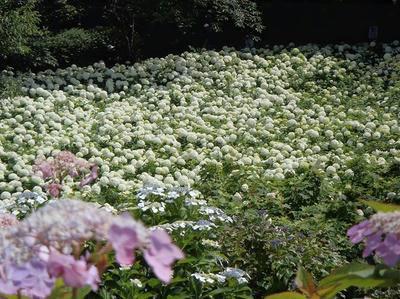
(162, 120)
(273, 112)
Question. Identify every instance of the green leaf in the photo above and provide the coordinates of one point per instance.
(381, 207)
(82, 292)
(219, 291)
(305, 282)
(187, 260)
(286, 295)
(195, 287)
(357, 275)
(153, 282)
(180, 296)
(177, 279)
(145, 296)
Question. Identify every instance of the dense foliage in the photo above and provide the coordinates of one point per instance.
(82, 32)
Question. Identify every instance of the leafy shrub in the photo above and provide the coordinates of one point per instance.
(9, 86)
(270, 251)
(192, 224)
(18, 23)
(77, 45)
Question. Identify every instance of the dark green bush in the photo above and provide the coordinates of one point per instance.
(77, 45)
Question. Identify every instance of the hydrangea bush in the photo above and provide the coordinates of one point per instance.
(49, 243)
(194, 226)
(298, 132)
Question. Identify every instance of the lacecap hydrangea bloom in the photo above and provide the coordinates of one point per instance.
(382, 234)
(49, 244)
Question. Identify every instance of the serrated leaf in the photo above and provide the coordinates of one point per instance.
(305, 282)
(286, 295)
(380, 206)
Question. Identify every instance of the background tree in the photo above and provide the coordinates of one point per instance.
(37, 34)
(181, 22)
(18, 24)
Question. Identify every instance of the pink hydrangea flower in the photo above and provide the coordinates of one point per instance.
(45, 168)
(54, 189)
(75, 273)
(93, 175)
(30, 252)
(125, 238)
(161, 254)
(61, 165)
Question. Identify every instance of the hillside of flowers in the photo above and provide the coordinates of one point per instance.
(253, 161)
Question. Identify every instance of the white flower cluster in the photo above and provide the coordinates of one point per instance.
(156, 197)
(27, 202)
(162, 120)
(182, 224)
(240, 275)
(209, 277)
(215, 213)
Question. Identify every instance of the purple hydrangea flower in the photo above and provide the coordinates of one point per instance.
(389, 250)
(54, 189)
(358, 232)
(382, 234)
(32, 279)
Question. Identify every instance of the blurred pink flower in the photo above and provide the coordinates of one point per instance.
(161, 254)
(124, 238)
(75, 273)
(7, 220)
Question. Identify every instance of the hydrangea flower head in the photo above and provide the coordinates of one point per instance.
(382, 234)
(34, 251)
(62, 164)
